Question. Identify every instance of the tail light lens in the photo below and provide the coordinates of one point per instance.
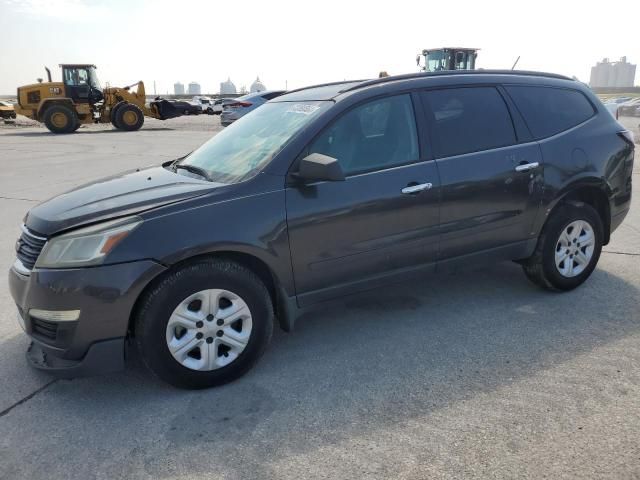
(239, 104)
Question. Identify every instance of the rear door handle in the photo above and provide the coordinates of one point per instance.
(527, 166)
(408, 190)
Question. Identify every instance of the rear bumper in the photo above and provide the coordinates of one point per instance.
(105, 297)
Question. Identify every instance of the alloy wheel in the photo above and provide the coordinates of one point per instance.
(574, 248)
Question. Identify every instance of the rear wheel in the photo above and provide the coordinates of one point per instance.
(205, 324)
(568, 248)
(112, 115)
(129, 117)
(60, 119)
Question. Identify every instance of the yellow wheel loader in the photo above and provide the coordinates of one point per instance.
(64, 106)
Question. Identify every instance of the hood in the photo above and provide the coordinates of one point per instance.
(125, 194)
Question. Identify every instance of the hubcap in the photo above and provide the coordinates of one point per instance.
(574, 248)
(209, 329)
(59, 119)
(130, 118)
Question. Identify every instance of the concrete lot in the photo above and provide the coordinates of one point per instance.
(478, 374)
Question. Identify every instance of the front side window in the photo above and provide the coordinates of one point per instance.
(379, 134)
(469, 120)
(549, 110)
(249, 144)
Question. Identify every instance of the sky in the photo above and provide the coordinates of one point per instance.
(297, 43)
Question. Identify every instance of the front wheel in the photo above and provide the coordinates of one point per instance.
(205, 324)
(129, 117)
(568, 248)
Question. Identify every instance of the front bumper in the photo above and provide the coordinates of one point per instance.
(105, 296)
(101, 358)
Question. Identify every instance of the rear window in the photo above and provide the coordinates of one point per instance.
(550, 110)
(271, 95)
(469, 120)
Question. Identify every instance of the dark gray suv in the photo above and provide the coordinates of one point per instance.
(319, 193)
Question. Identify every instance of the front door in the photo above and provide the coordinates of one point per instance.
(77, 83)
(491, 179)
(383, 219)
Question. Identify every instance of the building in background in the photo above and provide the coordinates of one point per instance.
(613, 74)
(194, 88)
(257, 86)
(178, 88)
(227, 88)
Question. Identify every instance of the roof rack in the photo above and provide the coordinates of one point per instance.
(325, 85)
(408, 76)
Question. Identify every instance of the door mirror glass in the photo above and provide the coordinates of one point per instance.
(319, 167)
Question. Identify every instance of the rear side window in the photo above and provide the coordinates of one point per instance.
(469, 120)
(549, 110)
(376, 135)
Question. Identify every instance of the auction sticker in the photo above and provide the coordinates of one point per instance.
(303, 108)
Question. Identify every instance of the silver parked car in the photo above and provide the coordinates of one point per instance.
(242, 105)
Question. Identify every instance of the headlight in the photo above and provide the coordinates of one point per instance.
(86, 246)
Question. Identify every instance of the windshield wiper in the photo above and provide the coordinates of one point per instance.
(193, 169)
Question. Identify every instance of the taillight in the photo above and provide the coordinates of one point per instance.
(627, 135)
(240, 104)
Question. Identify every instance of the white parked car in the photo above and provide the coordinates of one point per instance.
(205, 103)
(218, 105)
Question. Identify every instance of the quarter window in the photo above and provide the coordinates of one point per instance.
(469, 120)
(549, 110)
(379, 134)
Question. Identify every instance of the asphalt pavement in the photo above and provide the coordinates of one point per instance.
(477, 374)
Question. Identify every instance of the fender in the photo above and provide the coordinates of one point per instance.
(47, 102)
(584, 182)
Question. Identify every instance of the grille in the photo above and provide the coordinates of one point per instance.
(44, 328)
(33, 97)
(29, 247)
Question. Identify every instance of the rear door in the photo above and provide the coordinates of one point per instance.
(353, 234)
(491, 176)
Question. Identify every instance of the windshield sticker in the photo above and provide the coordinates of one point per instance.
(303, 108)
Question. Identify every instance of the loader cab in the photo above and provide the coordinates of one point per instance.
(447, 58)
(81, 83)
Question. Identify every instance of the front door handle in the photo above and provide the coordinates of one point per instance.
(525, 167)
(410, 189)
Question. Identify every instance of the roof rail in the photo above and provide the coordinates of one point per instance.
(324, 85)
(408, 76)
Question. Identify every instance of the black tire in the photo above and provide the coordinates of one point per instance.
(541, 268)
(159, 302)
(129, 117)
(112, 114)
(77, 126)
(186, 112)
(60, 119)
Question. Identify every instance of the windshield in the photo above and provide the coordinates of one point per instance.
(242, 149)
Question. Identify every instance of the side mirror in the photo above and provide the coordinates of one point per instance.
(318, 167)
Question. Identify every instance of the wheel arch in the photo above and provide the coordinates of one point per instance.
(48, 102)
(593, 192)
(284, 307)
